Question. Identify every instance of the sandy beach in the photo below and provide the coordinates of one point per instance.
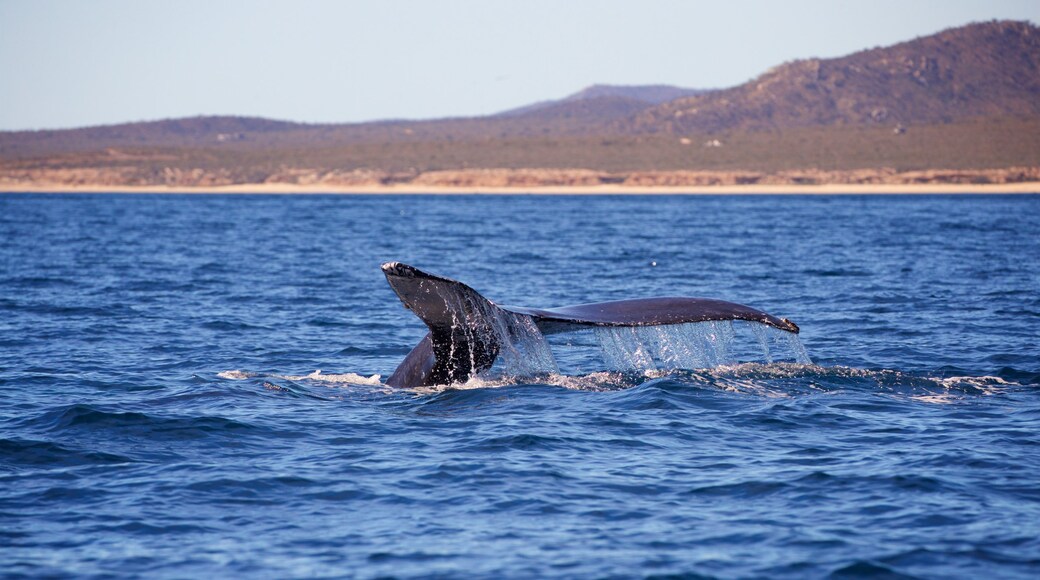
(614, 189)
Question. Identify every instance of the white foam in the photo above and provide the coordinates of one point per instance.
(983, 382)
(316, 376)
(597, 381)
(236, 375)
(939, 399)
(344, 378)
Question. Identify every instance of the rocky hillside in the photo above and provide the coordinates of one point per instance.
(979, 70)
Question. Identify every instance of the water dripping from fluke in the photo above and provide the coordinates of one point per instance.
(696, 345)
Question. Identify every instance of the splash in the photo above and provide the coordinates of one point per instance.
(524, 350)
(801, 355)
(689, 346)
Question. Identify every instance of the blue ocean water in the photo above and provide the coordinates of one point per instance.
(187, 389)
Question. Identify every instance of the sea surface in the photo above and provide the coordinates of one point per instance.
(191, 386)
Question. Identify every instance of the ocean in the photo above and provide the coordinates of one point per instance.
(192, 386)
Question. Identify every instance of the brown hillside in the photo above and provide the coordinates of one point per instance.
(980, 70)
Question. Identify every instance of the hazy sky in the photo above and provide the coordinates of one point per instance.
(68, 63)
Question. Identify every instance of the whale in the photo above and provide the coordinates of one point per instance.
(468, 331)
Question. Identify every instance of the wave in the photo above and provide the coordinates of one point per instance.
(35, 453)
(768, 380)
(94, 419)
(765, 380)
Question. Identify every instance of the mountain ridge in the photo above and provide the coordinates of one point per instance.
(635, 94)
(976, 70)
(961, 72)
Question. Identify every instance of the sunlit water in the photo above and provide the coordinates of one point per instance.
(192, 386)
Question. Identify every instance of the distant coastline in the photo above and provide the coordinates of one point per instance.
(954, 112)
(282, 188)
(541, 181)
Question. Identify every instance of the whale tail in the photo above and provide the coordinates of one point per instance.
(468, 331)
(464, 339)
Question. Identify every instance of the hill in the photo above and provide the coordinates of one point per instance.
(637, 97)
(967, 98)
(980, 70)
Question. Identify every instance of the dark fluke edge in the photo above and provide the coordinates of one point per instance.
(465, 328)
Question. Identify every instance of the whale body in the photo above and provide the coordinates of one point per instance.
(467, 331)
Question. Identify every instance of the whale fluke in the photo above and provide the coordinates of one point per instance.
(467, 331)
(462, 341)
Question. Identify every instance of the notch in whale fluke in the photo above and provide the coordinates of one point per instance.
(467, 331)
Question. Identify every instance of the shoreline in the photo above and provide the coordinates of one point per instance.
(531, 181)
(1032, 187)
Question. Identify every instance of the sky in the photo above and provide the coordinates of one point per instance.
(74, 63)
